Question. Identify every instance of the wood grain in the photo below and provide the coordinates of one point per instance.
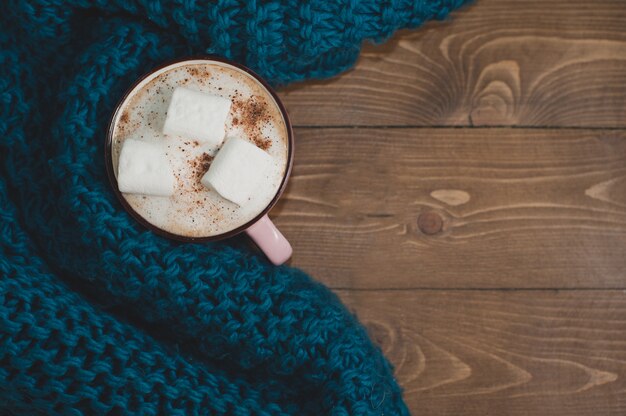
(450, 243)
(497, 62)
(477, 353)
(520, 208)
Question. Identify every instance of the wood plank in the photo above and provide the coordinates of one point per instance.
(477, 353)
(497, 62)
(523, 208)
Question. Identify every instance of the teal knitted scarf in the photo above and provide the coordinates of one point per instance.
(99, 315)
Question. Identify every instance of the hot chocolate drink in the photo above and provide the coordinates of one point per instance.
(193, 209)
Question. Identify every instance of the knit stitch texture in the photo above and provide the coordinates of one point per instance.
(100, 316)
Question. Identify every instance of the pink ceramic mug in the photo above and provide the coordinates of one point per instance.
(261, 229)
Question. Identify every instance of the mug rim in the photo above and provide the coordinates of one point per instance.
(109, 159)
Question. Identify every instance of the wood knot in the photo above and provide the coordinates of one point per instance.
(430, 223)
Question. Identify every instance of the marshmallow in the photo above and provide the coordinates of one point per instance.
(143, 169)
(196, 115)
(237, 170)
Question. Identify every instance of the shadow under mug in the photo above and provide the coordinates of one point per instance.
(261, 229)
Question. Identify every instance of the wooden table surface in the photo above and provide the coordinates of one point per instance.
(463, 189)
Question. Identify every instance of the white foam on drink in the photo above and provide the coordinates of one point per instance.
(193, 210)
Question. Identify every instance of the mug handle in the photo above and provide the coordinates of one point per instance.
(271, 241)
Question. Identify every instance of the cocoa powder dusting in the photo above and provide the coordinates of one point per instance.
(253, 112)
(200, 165)
(262, 143)
(198, 72)
(124, 122)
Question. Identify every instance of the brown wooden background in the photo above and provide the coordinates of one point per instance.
(463, 189)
